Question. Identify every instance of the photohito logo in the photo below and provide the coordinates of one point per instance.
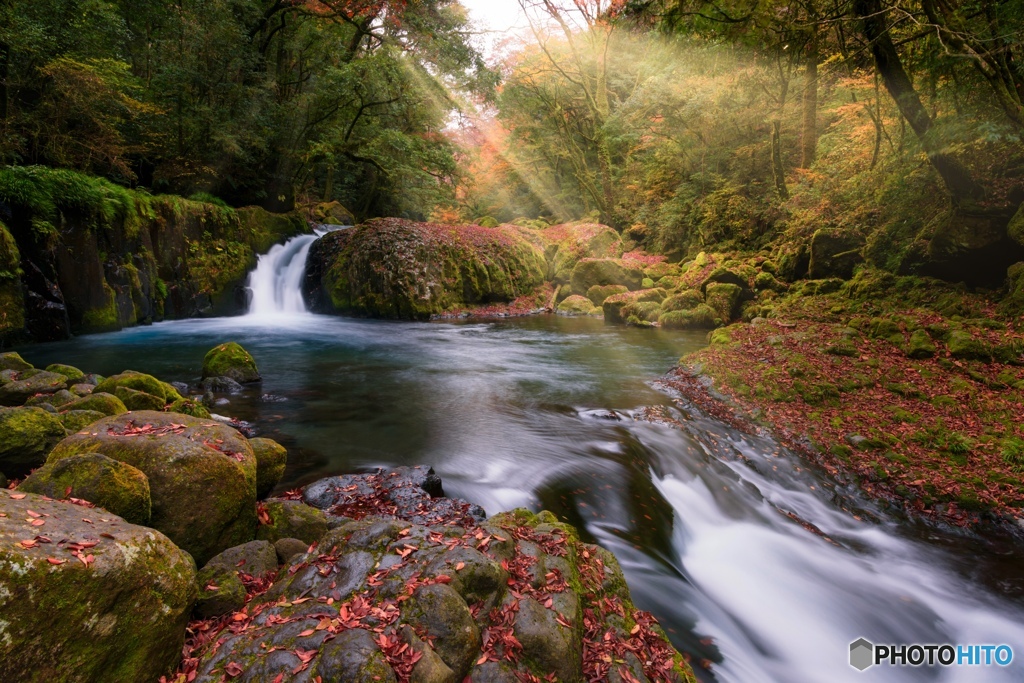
(864, 654)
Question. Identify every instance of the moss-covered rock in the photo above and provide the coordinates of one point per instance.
(202, 474)
(613, 306)
(723, 275)
(136, 381)
(73, 374)
(835, 252)
(920, 345)
(28, 384)
(393, 268)
(591, 272)
(291, 519)
(577, 305)
(256, 558)
(686, 300)
(108, 404)
(112, 485)
(724, 298)
(187, 406)
(703, 317)
(138, 400)
(120, 618)
(965, 347)
(13, 361)
(598, 293)
(567, 243)
(232, 361)
(641, 312)
(271, 459)
(27, 435)
(220, 592)
(56, 399)
(76, 420)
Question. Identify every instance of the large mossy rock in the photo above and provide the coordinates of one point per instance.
(391, 586)
(613, 307)
(27, 435)
(393, 268)
(100, 402)
(110, 484)
(577, 305)
(139, 400)
(703, 317)
(835, 253)
(27, 384)
(290, 519)
(117, 617)
(232, 361)
(724, 299)
(202, 474)
(10, 360)
(271, 459)
(567, 243)
(136, 381)
(591, 272)
(598, 293)
(73, 374)
(77, 420)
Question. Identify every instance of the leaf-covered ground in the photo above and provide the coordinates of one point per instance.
(941, 433)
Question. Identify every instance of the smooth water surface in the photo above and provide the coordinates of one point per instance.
(539, 412)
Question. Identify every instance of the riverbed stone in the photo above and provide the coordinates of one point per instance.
(27, 435)
(590, 272)
(287, 548)
(221, 385)
(232, 361)
(291, 519)
(101, 402)
(577, 305)
(76, 420)
(82, 389)
(255, 558)
(202, 474)
(112, 485)
(188, 406)
(28, 384)
(137, 381)
(56, 399)
(598, 293)
(835, 252)
(703, 317)
(120, 619)
(138, 400)
(964, 346)
(220, 592)
(271, 459)
(11, 360)
(551, 646)
(73, 374)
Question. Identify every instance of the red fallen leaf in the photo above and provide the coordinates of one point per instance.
(300, 601)
(306, 656)
(110, 536)
(240, 616)
(635, 630)
(17, 496)
(212, 586)
(279, 678)
(307, 632)
(67, 492)
(233, 669)
(87, 521)
(30, 543)
(460, 566)
(33, 514)
(54, 560)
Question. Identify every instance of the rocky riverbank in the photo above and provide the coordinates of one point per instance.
(140, 545)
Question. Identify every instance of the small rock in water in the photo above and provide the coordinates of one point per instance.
(272, 398)
(609, 415)
(221, 385)
(221, 402)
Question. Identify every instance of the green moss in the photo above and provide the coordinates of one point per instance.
(187, 406)
(577, 305)
(139, 400)
(965, 347)
(230, 360)
(27, 435)
(104, 318)
(701, 317)
(112, 485)
(598, 293)
(75, 420)
(72, 373)
(685, 300)
(271, 459)
(108, 404)
(137, 381)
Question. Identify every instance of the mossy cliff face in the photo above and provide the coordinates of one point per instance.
(393, 268)
(104, 601)
(98, 257)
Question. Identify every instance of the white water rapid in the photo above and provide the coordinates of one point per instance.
(276, 283)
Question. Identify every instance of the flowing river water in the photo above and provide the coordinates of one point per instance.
(711, 526)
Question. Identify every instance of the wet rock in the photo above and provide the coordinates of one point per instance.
(271, 459)
(131, 603)
(255, 557)
(73, 374)
(724, 299)
(430, 668)
(28, 384)
(108, 404)
(13, 361)
(56, 399)
(136, 381)
(221, 385)
(577, 305)
(138, 400)
(287, 548)
(232, 361)
(686, 300)
(703, 317)
(187, 406)
(291, 519)
(202, 474)
(80, 390)
(27, 435)
(835, 253)
(112, 485)
(93, 379)
(550, 645)
(920, 345)
(592, 272)
(220, 592)
(440, 613)
(965, 347)
(598, 293)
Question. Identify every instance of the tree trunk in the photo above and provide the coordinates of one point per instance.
(955, 175)
(778, 172)
(809, 134)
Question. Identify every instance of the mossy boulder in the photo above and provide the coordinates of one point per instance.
(724, 298)
(767, 282)
(965, 347)
(723, 275)
(139, 400)
(835, 252)
(394, 268)
(101, 402)
(663, 269)
(598, 293)
(686, 300)
(202, 474)
(73, 374)
(220, 592)
(13, 361)
(591, 272)
(136, 381)
(613, 306)
(112, 485)
(920, 345)
(291, 519)
(27, 435)
(271, 459)
(255, 558)
(76, 420)
(28, 384)
(577, 305)
(120, 618)
(55, 400)
(641, 312)
(567, 243)
(187, 406)
(232, 361)
(703, 317)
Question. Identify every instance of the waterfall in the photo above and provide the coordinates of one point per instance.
(276, 283)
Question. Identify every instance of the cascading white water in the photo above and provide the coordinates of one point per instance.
(276, 283)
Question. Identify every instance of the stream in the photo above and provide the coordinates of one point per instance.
(710, 525)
